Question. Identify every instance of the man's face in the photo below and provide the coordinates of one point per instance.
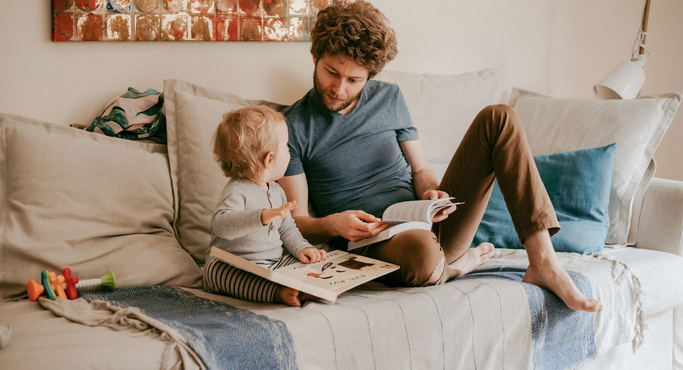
(339, 82)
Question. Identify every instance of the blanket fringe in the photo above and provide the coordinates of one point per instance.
(128, 319)
(101, 313)
(620, 271)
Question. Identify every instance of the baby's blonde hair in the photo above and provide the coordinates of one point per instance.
(243, 139)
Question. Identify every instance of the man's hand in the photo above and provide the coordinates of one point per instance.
(355, 225)
(438, 194)
(274, 214)
(312, 255)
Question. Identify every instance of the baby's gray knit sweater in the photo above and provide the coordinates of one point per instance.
(236, 224)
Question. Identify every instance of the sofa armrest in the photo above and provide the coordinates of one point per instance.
(661, 218)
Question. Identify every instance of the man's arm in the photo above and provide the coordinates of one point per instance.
(313, 229)
(424, 179)
(352, 225)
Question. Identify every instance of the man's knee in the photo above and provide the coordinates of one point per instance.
(497, 119)
(420, 255)
(497, 113)
(497, 110)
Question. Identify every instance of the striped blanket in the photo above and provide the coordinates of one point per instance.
(224, 337)
(487, 320)
(562, 338)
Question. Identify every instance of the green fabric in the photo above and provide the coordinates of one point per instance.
(133, 115)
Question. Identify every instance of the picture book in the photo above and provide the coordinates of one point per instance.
(412, 214)
(326, 280)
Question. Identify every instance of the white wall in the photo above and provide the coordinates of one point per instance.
(555, 47)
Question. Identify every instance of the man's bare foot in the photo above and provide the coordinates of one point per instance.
(473, 258)
(288, 296)
(546, 271)
(554, 277)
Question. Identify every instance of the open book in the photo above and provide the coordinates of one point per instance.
(326, 280)
(412, 214)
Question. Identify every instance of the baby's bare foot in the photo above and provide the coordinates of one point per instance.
(473, 258)
(554, 277)
(288, 296)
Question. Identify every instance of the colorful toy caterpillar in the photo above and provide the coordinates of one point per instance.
(65, 285)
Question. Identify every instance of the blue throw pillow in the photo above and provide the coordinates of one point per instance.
(578, 184)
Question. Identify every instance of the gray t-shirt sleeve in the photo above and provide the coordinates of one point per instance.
(290, 235)
(230, 222)
(236, 224)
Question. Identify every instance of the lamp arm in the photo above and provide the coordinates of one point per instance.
(643, 27)
(627, 78)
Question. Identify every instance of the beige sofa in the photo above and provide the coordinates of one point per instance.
(81, 200)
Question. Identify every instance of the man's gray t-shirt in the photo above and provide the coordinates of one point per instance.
(353, 161)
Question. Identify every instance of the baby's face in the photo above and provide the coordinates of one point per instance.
(282, 153)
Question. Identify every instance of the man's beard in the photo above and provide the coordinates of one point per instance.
(322, 95)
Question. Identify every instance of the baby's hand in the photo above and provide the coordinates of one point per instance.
(312, 255)
(274, 214)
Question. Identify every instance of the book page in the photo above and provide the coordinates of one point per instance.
(415, 210)
(340, 272)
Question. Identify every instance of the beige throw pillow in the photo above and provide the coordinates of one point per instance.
(70, 198)
(192, 115)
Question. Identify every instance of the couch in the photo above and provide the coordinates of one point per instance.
(90, 202)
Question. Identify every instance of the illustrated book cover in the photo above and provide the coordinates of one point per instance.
(326, 280)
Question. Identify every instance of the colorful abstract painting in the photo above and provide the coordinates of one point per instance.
(174, 20)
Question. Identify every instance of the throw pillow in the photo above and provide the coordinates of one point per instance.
(133, 115)
(192, 115)
(578, 184)
(636, 126)
(71, 198)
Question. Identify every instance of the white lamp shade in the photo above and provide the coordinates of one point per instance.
(623, 82)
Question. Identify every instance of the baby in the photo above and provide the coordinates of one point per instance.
(252, 219)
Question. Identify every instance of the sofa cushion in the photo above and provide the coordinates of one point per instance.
(71, 198)
(636, 126)
(578, 184)
(192, 115)
(442, 107)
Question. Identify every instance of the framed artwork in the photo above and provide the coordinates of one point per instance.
(188, 20)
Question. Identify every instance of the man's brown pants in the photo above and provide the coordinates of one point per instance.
(494, 147)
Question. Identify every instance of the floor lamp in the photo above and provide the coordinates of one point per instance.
(627, 78)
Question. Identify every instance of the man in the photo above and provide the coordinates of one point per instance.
(355, 152)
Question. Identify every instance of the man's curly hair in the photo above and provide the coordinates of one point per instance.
(356, 30)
